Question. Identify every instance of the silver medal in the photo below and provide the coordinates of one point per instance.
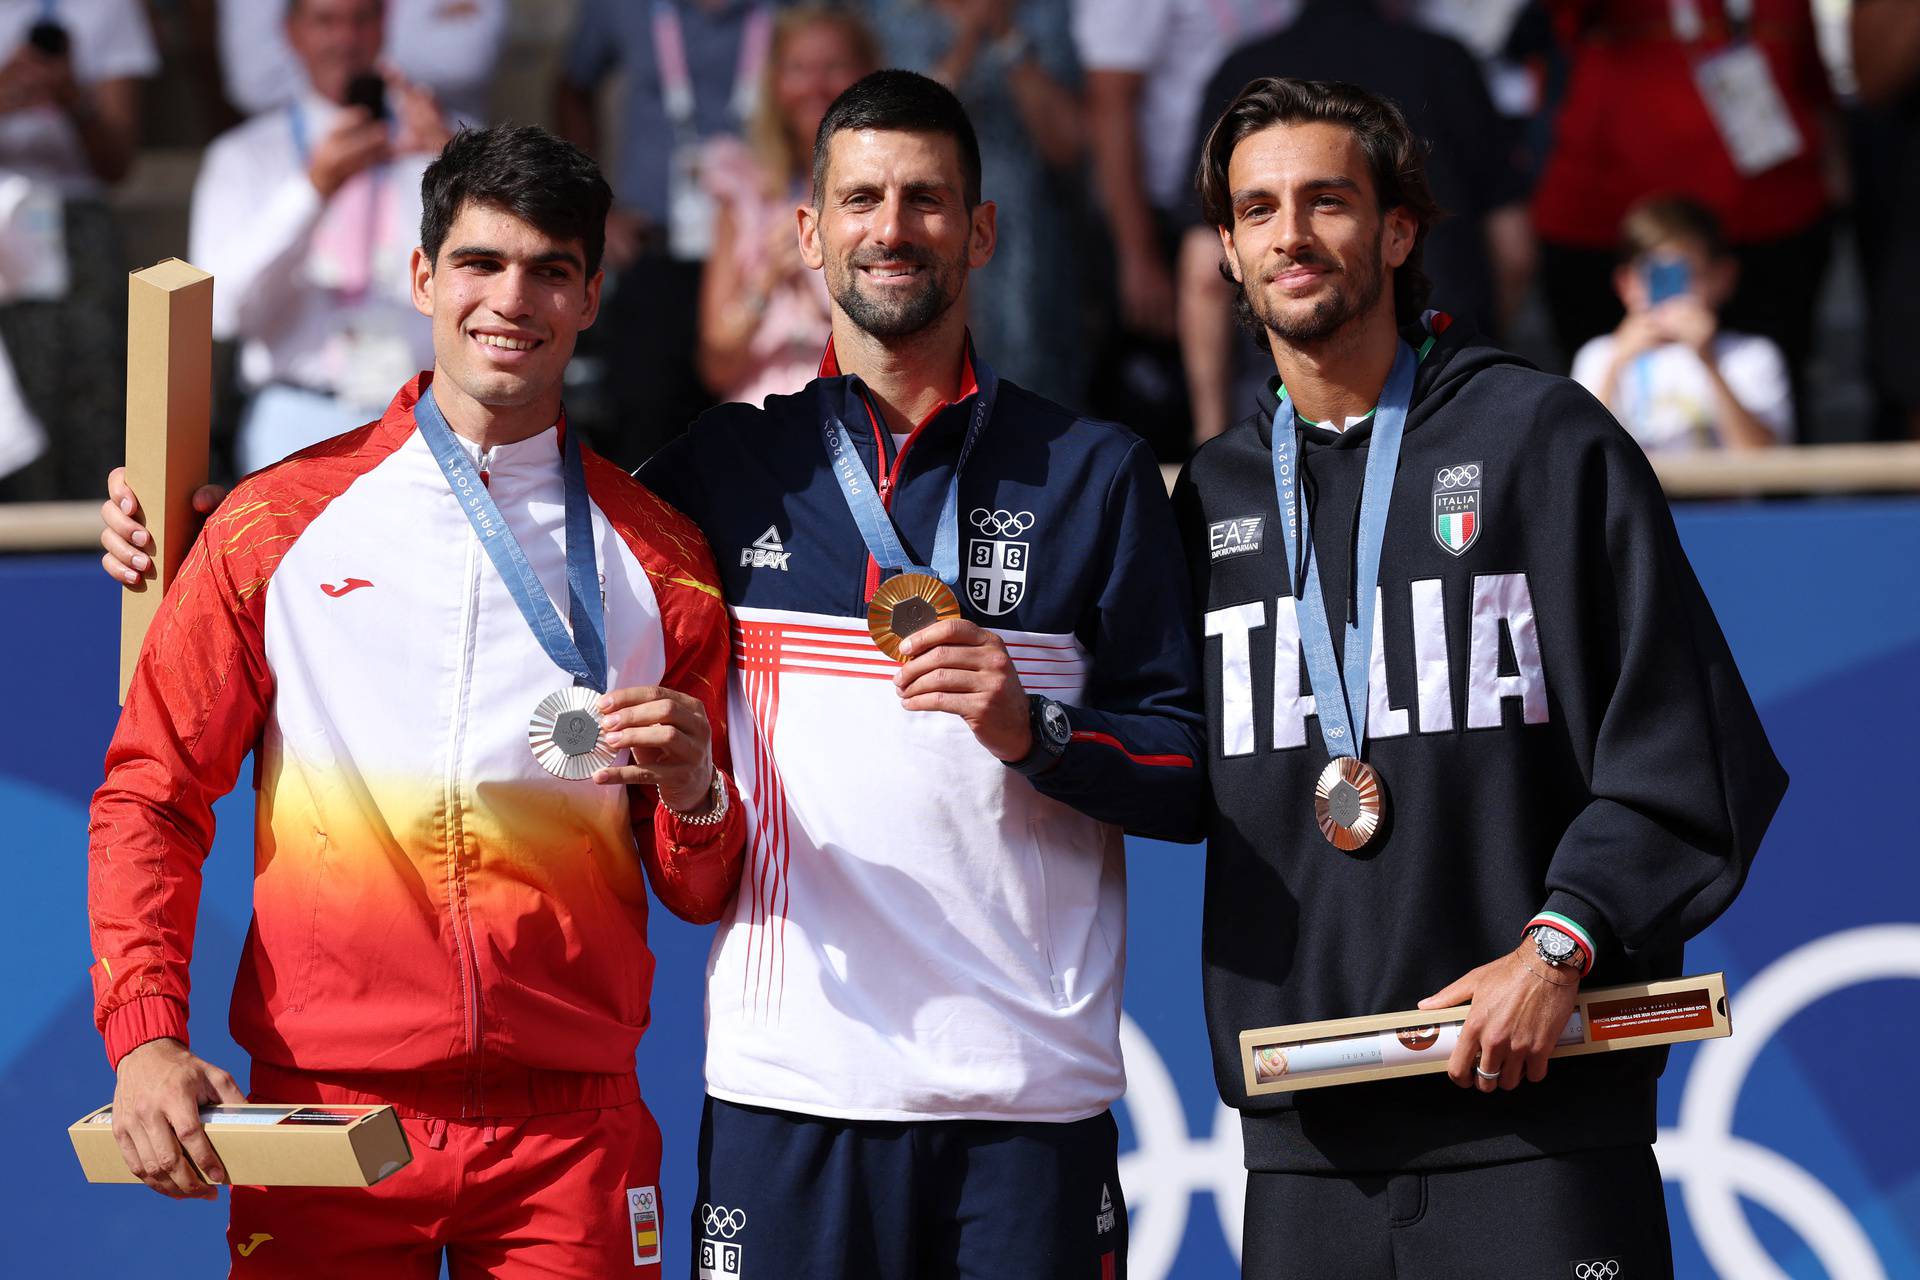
(565, 734)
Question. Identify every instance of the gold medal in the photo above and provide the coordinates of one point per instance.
(1349, 802)
(906, 604)
(566, 735)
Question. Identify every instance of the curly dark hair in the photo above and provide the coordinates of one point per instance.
(524, 170)
(1395, 156)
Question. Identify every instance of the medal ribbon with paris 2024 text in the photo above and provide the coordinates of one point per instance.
(870, 514)
(1340, 697)
(583, 655)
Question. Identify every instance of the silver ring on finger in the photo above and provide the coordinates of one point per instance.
(1484, 1074)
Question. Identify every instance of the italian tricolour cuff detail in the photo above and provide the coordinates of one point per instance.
(1581, 938)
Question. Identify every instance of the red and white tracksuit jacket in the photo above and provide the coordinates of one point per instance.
(434, 915)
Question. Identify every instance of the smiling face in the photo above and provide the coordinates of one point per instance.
(508, 302)
(893, 231)
(1309, 244)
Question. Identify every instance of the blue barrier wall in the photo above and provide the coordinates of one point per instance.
(1790, 1148)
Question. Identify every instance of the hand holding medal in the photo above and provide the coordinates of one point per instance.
(671, 742)
(965, 670)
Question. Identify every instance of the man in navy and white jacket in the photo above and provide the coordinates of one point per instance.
(913, 1010)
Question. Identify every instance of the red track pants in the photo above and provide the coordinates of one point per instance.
(573, 1194)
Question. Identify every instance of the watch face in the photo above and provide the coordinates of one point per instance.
(1553, 944)
(1053, 719)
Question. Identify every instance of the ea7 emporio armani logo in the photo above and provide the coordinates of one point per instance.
(766, 552)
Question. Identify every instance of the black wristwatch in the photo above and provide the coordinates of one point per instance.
(1557, 947)
(1051, 734)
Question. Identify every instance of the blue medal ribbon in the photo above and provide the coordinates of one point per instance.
(870, 514)
(583, 655)
(1340, 697)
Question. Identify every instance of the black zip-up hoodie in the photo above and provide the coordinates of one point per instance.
(1562, 728)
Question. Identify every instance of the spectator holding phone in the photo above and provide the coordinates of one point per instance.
(449, 46)
(1673, 376)
(306, 214)
(70, 73)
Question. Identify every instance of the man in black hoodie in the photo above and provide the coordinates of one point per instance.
(1475, 735)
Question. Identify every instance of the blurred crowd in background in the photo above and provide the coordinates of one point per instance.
(1708, 211)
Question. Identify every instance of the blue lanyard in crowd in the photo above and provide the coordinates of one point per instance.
(297, 121)
(870, 514)
(583, 655)
(1342, 704)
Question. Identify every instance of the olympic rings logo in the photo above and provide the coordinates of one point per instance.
(722, 1221)
(1001, 524)
(1604, 1270)
(1454, 477)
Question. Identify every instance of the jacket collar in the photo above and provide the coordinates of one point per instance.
(845, 396)
(1422, 336)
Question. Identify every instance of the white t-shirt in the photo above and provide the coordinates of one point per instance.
(1176, 45)
(110, 40)
(262, 229)
(449, 46)
(1666, 401)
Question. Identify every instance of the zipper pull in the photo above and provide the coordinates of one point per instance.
(486, 457)
(886, 485)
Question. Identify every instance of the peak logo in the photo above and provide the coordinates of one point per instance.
(765, 552)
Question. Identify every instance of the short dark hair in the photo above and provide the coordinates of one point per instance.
(1659, 220)
(1395, 157)
(525, 171)
(903, 100)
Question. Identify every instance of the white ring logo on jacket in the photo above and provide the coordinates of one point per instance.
(722, 1221)
(1001, 524)
(1454, 477)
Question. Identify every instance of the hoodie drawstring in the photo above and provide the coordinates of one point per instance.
(1305, 495)
(1302, 555)
(1353, 569)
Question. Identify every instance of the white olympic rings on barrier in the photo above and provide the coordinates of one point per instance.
(1713, 1166)
(1001, 524)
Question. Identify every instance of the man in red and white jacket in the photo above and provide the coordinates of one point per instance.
(440, 923)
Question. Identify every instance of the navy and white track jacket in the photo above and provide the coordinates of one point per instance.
(922, 933)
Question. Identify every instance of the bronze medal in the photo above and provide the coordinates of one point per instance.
(1349, 802)
(905, 604)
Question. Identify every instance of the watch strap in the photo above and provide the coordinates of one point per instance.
(1044, 753)
(1582, 940)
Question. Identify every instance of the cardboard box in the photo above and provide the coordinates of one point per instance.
(1315, 1055)
(271, 1145)
(169, 413)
